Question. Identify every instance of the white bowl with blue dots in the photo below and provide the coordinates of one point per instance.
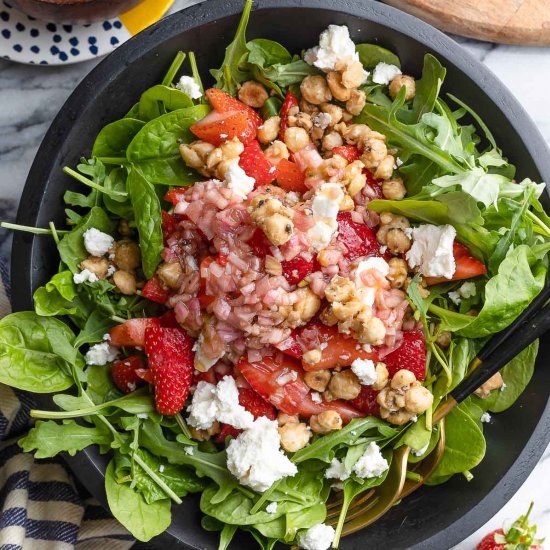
(25, 39)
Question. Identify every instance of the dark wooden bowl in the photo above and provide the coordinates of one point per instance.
(74, 11)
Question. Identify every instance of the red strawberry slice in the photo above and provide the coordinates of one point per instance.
(175, 196)
(278, 379)
(410, 355)
(255, 164)
(131, 333)
(337, 350)
(359, 239)
(294, 350)
(349, 152)
(168, 320)
(290, 177)
(215, 127)
(170, 355)
(124, 373)
(169, 225)
(289, 102)
(374, 186)
(223, 103)
(308, 408)
(155, 291)
(466, 266)
(366, 401)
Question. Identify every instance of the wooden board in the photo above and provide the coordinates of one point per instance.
(525, 22)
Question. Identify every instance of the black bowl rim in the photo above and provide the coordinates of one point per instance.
(210, 11)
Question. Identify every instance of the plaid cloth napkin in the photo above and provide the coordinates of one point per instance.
(41, 507)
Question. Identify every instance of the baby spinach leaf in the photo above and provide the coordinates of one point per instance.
(113, 139)
(517, 375)
(36, 353)
(71, 247)
(372, 54)
(226, 536)
(231, 72)
(48, 439)
(147, 213)
(143, 520)
(264, 53)
(161, 99)
(56, 296)
(464, 443)
(417, 436)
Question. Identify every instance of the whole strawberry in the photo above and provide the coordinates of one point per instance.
(520, 536)
(170, 355)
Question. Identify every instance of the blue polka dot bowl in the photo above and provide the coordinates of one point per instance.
(73, 11)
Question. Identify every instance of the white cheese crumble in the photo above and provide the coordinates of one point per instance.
(455, 297)
(467, 290)
(420, 452)
(337, 470)
(384, 73)
(325, 207)
(271, 508)
(335, 45)
(221, 403)
(161, 468)
(372, 463)
(318, 537)
(321, 120)
(316, 397)
(101, 354)
(85, 276)
(96, 242)
(238, 181)
(189, 450)
(432, 250)
(368, 293)
(188, 85)
(485, 417)
(255, 458)
(143, 416)
(503, 387)
(365, 370)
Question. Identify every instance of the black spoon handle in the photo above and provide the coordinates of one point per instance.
(508, 348)
(500, 338)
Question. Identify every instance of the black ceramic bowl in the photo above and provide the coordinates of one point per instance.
(432, 518)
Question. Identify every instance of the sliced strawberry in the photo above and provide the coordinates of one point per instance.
(466, 266)
(208, 376)
(124, 374)
(170, 355)
(223, 103)
(155, 291)
(366, 401)
(337, 350)
(256, 404)
(359, 239)
(255, 164)
(131, 333)
(216, 127)
(175, 196)
(169, 225)
(350, 152)
(410, 355)
(168, 320)
(374, 186)
(278, 379)
(259, 244)
(294, 350)
(289, 102)
(146, 374)
(290, 177)
(308, 407)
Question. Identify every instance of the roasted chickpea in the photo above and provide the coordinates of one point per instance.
(356, 102)
(312, 356)
(340, 289)
(344, 385)
(276, 151)
(296, 139)
(382, 376)
(98, 266)
(253, 94)
(374, 332)
(397, 241)
(394, 189)
(269, 130)
(337, 89)
(374, 152)
(384, 169)
(353, 75)
(127, 255)
(170, 273)
(402, 380)
(278, 229)
(125, 282)
(332, 140)
(315, 89)
(283, 419)
(398, 82)
(494, 383)
(294, 436)
(334, 111)
(305, 308)
(318, 379)
(418, 399)
(325, 422)
(398, 272)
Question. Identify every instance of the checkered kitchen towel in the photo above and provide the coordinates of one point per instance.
(40, 505)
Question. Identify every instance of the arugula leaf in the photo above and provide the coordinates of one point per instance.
(113, 139)
(372, 54)
(230, 74)
(48, 439)
(427, 87)
(290, 73)
(71, 247)
(148, 216)
(143, 520)
(36, 353)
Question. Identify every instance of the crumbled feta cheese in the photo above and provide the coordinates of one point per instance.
(84, 276)
(384, 73)
(189, 450)
(335, 45)
(238, 181)
(467, 290)
(455, 297)
(111, 271)
(485, 417)
(316, 397)
(221, 403)
(337, 470)
(367, 292)
(324, 208)
(101, 354)
(188, 85)
(420, 452)
(432, 250)
(321, 120)
(271, 508)
(143, 416)
(96, 242)
(503, 387)
(255, 458)
(161, 468)
(372, 463)
(318, 537)
(398, 162)
(365, 370)
(223, 136)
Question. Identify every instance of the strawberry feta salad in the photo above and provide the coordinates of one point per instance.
(273, 282)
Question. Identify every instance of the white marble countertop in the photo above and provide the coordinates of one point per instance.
(31, 96)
